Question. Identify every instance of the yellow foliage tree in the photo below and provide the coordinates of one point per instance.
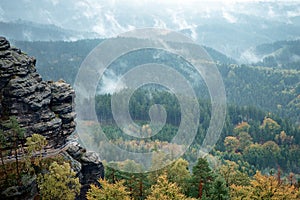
(163, 189)
(108, 191)
(35, 144)
(241, 127)
(264, 187)
(232, 174)
(59, 183)
(270, 123)
(231, 143)
(238, 192)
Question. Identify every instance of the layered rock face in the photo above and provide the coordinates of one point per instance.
(45, 108)
(88, 166)
(41, 107)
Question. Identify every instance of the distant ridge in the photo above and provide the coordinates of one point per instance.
(30, 31)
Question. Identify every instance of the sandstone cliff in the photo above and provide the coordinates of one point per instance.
(41, 107)
(46, 108)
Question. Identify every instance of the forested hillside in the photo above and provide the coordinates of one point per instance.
(281, 54)
(30, 31)
(272, 90)
(150, 100)
(246, 137)
(259, 145)
(255, 149)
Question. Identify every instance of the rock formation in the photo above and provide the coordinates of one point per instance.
(41, 107)
(45, 108)
(87, 165)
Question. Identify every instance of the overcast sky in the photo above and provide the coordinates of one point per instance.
(111, 17)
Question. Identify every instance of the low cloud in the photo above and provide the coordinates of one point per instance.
(293, 13)
(229, 17)
(249, 56)
(110, 83)
(179, 20)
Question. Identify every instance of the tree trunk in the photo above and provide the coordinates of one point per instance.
(3, 165)
(200, 189)
(17, 162)
(141, 188)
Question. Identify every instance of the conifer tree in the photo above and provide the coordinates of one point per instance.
(201, 178)
(15, 137)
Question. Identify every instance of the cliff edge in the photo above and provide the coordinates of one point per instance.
(40, 107)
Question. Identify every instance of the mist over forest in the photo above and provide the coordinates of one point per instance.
(235, 136)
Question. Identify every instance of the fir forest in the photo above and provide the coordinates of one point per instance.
(150, 100)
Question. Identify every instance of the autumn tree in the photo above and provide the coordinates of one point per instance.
(269, 129)
(239, 192)
(134, 180)
(108, 191)
(35, 144)
(264, 187)
(269, 187)
(232, 175)
(166, 190)
(241, 127)
(231, 143)
(270, 124)
(282, 138)
(59, 183)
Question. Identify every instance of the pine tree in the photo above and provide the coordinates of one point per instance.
(201, 178)
(3, 146)
(15, 137)
(219, 190)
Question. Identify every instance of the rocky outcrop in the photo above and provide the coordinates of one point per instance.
(87, 165)
(45, 108)
(41, 107)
